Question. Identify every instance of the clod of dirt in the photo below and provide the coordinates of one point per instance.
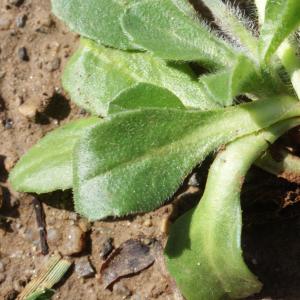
(28, 110)
(54, 64)
(130, 258)
(73, 240)
(23, 54)
(107, 248)
(84, 268)
(21, 21)
(4, 23)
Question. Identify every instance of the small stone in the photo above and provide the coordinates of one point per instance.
(4, 23)
(54, 64)
(193, 181)
(73, 241)
(21, 21)
(83, 268)
(147, 223)
(121, 290)
(84, 225)
(28, 110)
(22, 53)
(8, 123)
(107, 248)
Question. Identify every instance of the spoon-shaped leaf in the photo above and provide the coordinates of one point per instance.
(97, 20)
(282, 17)
(95, 75)
(47, 166)
(204, 244)
(168, 31)
(147, 153)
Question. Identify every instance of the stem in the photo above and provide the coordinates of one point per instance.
(209, 237)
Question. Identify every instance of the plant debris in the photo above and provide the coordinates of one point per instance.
(130, 258)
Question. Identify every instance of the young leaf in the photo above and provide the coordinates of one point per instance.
(97, 20)
(95, 75)
(165, 29)
(47, 166)
(233, 23)
(224, 85)
(144, 95)
(281, 18)
(204, 244)
(147, 153)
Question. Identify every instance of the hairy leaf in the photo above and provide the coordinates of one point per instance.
(97, 20)
(281, 18)
(234, 23)
(204, 244)
(47, 166)
(224, 85)
(167, 30)
(144, 95)
(95, 75)
(148, 153)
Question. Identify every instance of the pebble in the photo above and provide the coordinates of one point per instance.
(147, 223)
(4, 23)
(193, 181)
(27, 110)
(54, 64)
(21, 21)
(84, 268)
(22, 53)
(8, 123)
(73, 240)
(107, 248)
(121, 290)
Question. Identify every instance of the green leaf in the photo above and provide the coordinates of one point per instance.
(281, 18)
(96, 75)
(224, 85)
(97, 20)
(44, 294)
(144, 95)
(148, 153)
(204, 244)
(47, 166)
(233, 23)
(172, 32)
